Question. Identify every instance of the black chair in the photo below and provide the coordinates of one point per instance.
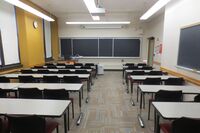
(71, 79)
(197, 98)
(52, 67)
(3, 93)
(186, 125)
(81, 72)
(146, 68)
(65, 71)
(4, 79)
(58, 94)
(141, 64)
(27, 71)
(155, 73)
(175, 81)
(61, 64)
(152, 81)
(43, 71)
(27, 79)
(181, 125)
(70, 67)
(130, 64)
(86, 67)
(78, 64)
(166, 96)
(31, 124)
(89, 64)
(51, 79)
(30, 93)
(38, 67)
(137, 73)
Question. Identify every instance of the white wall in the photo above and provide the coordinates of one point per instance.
(133, 30)
(9, 35)
(154, 29)
(178, 13)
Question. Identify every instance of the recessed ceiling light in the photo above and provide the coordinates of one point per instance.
(114, 22)
(30, 9)
(154, 9)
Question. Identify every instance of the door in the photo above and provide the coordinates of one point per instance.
(151, 50)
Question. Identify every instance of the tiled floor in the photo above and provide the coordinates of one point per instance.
(109, 109)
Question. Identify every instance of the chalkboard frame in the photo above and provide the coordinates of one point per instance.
(104, 57)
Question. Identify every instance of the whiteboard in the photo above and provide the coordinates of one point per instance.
(47, 33)
(9, 36)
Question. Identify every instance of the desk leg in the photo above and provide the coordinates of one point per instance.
(68, 117)
(127, 85)
(65, 122)
(140, 113)
(156, 123)
(123, 76)
(81, 114)
(88, 89)
(132, 101)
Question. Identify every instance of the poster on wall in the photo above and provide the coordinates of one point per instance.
(158, 49)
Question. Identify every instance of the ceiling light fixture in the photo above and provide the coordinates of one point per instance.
(154, 9)
(29, 9)
(93, 9)
(102, 27)
(99, 23)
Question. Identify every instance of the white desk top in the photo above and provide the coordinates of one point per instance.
(171, 110)
(138, 77)
(55, 70)
(129, 71)
(41, 86)
(9, 85)
(41, 75)
(54, 108)
(155, 88)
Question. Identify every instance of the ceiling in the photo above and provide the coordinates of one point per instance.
(117, 9)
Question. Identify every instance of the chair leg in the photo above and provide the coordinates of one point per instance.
(72, 108)
(149, 110)
(57, 129)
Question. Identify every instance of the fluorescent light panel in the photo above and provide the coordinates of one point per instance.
(103, 27)
(154, 9)
(78, 23)
(29, 9)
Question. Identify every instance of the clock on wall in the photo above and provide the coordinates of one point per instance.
(35, 24)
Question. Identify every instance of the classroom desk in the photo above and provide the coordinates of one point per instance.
(68, 87)
(45, 108)
(175, 110)
(155, 88)
(82, 76)
(56, 70)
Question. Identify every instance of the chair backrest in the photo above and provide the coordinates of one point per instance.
(89, 64)
(61, 64)
(141, 64)
(51, 79)
(57, 94)
(78, 64)
(4, 79)
(3, 93)
(38, 67)
(155, 73)
(27, 71)
(27, 79)
(43, 71)
(26, 124)
(138, 73)
(65, 71)
(168, 96)
(197, 98)
(175, 81)
(70, 66)
(30, 93)
(52, 67)
(129, 64)
(81, 72)
(71, 79)
(132, 68)
(186, 125)
(152, 81)
(146, 68)
(86, 67)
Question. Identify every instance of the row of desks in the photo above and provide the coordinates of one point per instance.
(167, 110)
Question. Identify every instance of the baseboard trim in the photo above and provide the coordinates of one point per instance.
(187, 78)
